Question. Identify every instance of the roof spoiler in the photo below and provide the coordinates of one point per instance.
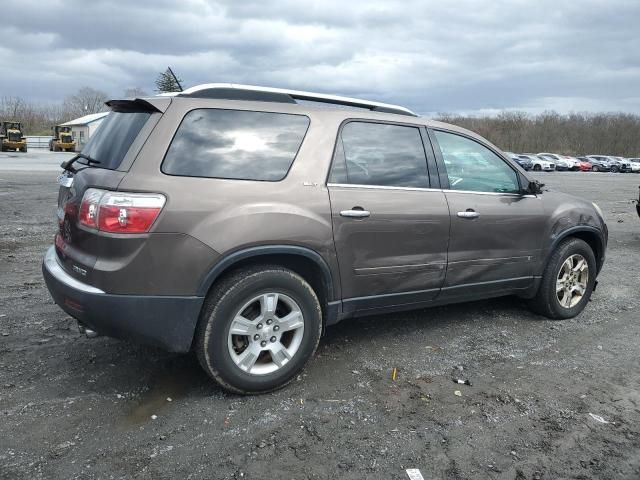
(133, 105)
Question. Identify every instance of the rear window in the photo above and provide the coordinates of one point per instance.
(235, 144)
(112, 139)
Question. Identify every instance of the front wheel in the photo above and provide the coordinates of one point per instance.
(258, 329)
(615, 169)
(567, 282)
(537, 168)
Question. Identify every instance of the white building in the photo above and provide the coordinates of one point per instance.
(82, 128)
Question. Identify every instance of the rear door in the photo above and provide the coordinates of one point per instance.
(391, 229)
(496, 230)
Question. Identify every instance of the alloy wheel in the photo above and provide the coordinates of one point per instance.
(572, 280)
(266, 333)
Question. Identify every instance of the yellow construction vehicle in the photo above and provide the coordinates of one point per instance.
(11, 137)
(62, 140)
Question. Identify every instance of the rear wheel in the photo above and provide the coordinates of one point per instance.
(258, 329)
(595, 168)
(567, 282)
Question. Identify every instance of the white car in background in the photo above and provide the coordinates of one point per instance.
(539, 164)
(575, 163)
(635, 164)
(563, 162)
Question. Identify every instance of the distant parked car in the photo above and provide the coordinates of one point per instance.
(635, 164)
(523, 160)
(593, 165)
(585, 165)
(574, 160)
(617, 164)
(563, 162)
(539, 164)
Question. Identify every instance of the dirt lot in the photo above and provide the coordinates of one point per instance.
(73, 407)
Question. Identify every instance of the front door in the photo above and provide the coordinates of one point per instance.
(391, 230)
(496, 229)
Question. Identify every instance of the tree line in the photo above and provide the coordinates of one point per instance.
(573, 134)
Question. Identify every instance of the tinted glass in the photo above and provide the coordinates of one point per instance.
(471, 166)
(339, 166)
(235, 144)
(378, 154)
(111, 141)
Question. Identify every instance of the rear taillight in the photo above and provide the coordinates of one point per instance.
(89, 207)
(120, 212)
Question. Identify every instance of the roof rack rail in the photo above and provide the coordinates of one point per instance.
(234, 91)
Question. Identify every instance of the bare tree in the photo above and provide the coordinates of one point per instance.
(85, 102)
(135, 92)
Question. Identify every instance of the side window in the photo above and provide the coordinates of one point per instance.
(235, 144)
(472, 166)
(339, 166)
(381, 155)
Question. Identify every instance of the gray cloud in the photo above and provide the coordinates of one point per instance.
(430, 56)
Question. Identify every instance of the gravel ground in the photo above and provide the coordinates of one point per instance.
(73, 407)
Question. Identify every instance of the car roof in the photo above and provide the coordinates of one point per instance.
(235, 91)
(338, 113)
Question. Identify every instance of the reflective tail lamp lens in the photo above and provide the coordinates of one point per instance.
(120, 212)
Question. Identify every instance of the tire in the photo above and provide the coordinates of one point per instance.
(595, 168)
(547, 301)
(537, 168)
(615, 169)
(220, 353)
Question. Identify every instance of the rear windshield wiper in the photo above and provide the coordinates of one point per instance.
(66, 165)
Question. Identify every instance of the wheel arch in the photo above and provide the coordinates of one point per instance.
(591, 235)
(307, 263)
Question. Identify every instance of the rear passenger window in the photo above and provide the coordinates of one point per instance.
(380, 154)
(235, 144)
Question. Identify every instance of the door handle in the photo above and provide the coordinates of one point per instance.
(355, 212)
(468, 214)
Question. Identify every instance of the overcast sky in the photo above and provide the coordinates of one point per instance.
(431, 56)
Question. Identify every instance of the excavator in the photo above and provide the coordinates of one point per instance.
(62, 140)
(11, 137)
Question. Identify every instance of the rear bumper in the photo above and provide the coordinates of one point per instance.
(167, 322)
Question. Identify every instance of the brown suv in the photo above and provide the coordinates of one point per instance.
(240, 221)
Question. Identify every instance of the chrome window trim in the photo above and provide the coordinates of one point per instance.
(501, 194)
(383, 187)
(418, 189)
